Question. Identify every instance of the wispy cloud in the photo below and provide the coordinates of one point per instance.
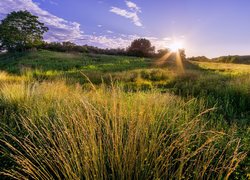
(133, 6)
(63, 30)
(105, 41)
(131, 13)
(60, 29)
(123, 40)
(110, 32)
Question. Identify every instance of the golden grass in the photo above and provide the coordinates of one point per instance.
(5, 77)
(68, 132)
(229, 68)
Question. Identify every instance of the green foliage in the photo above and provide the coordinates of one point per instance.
(64, 47)
(223, 59)
(199, 58)
(20, 31)
(233, 59)
(141, 47)
(133, 119)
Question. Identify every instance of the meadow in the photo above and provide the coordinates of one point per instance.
(92, 116)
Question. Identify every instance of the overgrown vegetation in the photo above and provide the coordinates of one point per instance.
(77, 116)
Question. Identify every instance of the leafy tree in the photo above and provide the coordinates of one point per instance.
(20, 31)
(141, 47)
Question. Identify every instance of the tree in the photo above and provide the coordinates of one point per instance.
(141, 47)
(20, 31)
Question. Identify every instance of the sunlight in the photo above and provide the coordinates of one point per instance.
(176, 46)
(175, 49)
(179, 62)
(163, 59)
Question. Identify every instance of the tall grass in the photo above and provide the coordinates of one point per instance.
(56, 131)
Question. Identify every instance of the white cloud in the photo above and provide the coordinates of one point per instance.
(132, 6)
(132, 13)
(105, 41)
(59, 29)
(63, 30)
(123, 41)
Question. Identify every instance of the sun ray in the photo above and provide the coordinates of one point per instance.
(163, 59)
(179, 63)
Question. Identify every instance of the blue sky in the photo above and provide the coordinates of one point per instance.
(204, 27)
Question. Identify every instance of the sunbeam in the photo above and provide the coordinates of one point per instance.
(166, 57)
(175, 46)
(179, 63)
(163, 59)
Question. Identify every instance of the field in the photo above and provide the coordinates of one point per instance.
(89, 116)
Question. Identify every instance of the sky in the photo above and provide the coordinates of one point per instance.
(204, 27)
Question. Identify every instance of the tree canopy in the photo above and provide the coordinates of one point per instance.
(141, 47)
(20, 31)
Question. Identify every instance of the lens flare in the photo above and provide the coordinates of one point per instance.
(176, 46)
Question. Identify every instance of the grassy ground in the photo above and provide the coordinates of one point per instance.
(77, 116)
(68, 62)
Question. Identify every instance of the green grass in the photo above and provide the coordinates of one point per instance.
(56, 61)
(83, 116)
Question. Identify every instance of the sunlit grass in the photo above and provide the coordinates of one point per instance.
(226, 68)
(5, 77)
(172, 58)
(67, 132)
(135, 119)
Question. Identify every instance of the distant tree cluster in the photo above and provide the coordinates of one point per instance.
(63, 47)
(21, 31)
(227, 59)
(72, 47)
(139, 47)
(199, 58)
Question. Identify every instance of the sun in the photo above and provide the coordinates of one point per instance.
(176, 46)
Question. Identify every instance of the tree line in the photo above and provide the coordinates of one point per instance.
(21, 31)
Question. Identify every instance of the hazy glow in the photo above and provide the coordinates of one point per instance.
(174, 50)
(179, 62)
(163, 59)
(176, 46)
